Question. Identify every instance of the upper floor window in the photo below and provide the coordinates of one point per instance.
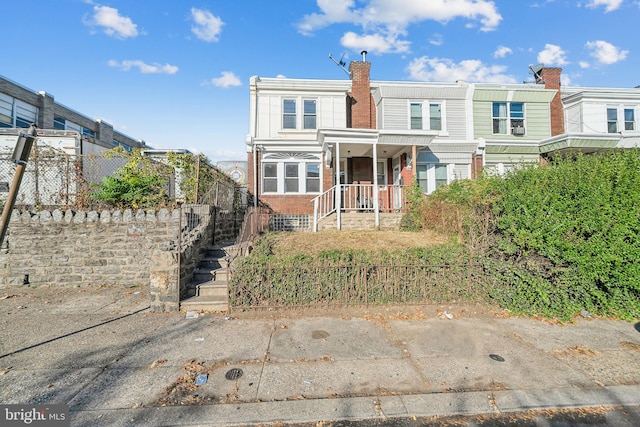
(416, 115)
(88, 132)
(289, 117)
(425, 113)
(629, 119)
(15, 113)
(612, 120)
(309, 113)
(290, 114)
(59, 123)
(508, 117)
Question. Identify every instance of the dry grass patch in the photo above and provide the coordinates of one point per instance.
(313, 243)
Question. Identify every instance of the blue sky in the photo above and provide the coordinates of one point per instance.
(176, 73)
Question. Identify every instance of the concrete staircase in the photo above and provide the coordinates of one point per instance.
(208, 290)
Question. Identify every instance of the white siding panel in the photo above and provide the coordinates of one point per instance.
(396, 114)
(595, 117)
(462, 171)
(456, 119)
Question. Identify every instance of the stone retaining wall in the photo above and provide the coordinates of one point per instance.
(110, 248)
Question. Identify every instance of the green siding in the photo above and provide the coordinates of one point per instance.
(537, 121)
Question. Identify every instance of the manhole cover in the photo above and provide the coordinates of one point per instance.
(233, 374)
(319, 335)
(497, 357)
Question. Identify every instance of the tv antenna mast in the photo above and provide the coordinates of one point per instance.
(535, 70)
(341, 63)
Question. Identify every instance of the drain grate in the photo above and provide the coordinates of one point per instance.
(233, 374)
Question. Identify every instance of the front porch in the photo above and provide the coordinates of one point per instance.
(358, 207)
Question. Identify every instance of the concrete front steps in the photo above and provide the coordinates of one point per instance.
(208, 290)
(356, 221)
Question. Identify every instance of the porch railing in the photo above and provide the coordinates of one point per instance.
(358, 198)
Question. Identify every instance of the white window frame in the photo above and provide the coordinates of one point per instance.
(508, 118)
(430, 170)
(627, 122)
(281, 165)
(300, 115)
(613, 120)
(425, 108)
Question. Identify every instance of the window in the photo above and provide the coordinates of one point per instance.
(430, 176)
(507, 116)
(309, 113)
(435, 116)
(313, 177)
(88, 132)
(441, 175)
(422, 177)
(416, 116)
(382, 172)
(59, 123)
(6, 111)
(289, 114)
(26, 114)
(425, 115)
(629, 119)
(269, 177)
(612, 120)
(291, 181)
(291, 173)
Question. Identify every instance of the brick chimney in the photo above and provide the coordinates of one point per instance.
(551, 79)
(361, 111)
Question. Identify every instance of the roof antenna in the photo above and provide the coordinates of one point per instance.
(535, 70)
(341, 63)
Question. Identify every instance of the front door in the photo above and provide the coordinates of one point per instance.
(362, 170)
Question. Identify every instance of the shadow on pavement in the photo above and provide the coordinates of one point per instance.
(73, 333)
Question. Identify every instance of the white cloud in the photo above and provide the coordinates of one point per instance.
(609, 5)
(375, 43)
(502, 51)
(606, 53)
(436, 40)
(112, 23)
(385, 21)
(144, 68)
(584, 64)
(552, 55)
(207, 26)
(226, 79)
(472, 70)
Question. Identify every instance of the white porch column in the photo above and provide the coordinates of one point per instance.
(376, 195)
(338, 187)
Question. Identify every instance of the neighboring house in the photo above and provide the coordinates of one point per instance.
(596, 119)
(512, 120)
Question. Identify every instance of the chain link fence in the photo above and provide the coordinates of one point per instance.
(58, 180)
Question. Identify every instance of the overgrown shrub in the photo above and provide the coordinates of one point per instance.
(139, 183)
(581, 215)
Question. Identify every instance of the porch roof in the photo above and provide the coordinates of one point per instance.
(361, 142)
(590, 142)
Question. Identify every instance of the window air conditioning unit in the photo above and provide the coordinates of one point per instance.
(517, 130)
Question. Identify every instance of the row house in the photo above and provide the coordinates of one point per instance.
(328, 148)
(596, 119)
